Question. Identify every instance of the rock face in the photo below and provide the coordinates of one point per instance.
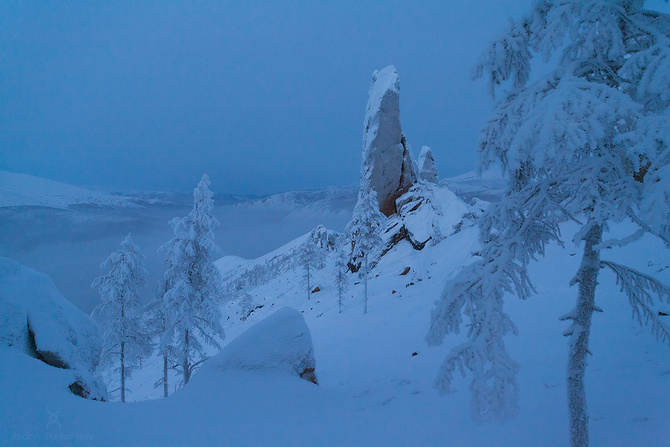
(387, 166)
(37, 320)
(427, 169)
(281, 342)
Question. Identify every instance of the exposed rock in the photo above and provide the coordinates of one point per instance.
(427, 169)
(387, 166)
(316, 289)
(403, 234)
(280, 342)
(309, 375)
(406, 271)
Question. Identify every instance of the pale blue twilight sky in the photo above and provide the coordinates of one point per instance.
(262, 96)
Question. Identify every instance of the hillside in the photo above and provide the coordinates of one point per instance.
(27, 190)
(375, 371)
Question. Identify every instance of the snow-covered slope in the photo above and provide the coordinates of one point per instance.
(375, 371)
(27, 190)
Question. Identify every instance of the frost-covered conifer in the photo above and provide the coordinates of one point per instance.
(308, 260)
(192, 288)
(125, 340)
(364, 232)
(246, 305)
(341, 282)
(587, 142)
(312, 255)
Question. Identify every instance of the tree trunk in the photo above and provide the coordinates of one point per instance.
(587, 276)
(309, 290)
(123, 371)
(123, 356)
(165, 375)
(187, 364)
(365, 284)
(339, 301)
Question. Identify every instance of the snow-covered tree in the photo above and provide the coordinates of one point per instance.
(192, 285)
(341, 282)
(364, 231)
(308, 260)
(125, 340)
(587, 142)
(246, 304)
(312, 255)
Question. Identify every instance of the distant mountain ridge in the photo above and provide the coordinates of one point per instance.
(27, 190)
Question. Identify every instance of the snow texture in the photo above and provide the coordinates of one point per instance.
(32, 310)
(281, 341)
(388, 167)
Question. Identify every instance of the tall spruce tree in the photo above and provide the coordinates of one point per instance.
(587, 142)
(125, 340)
(191, 288)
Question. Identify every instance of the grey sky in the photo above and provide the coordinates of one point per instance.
(263, 96)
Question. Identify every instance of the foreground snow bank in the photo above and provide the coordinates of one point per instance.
(37, 320)
(281, 342)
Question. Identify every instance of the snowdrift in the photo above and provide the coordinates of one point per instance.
(37, 320)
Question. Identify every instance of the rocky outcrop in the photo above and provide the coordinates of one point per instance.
(387, 166)
(427, 169)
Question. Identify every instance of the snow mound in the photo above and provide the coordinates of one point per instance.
(281, 342)
(37, 320)
(27, 190)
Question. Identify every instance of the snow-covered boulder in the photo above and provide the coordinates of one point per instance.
(37, 320)
(280, 342)
(427, 169)
(387, 167)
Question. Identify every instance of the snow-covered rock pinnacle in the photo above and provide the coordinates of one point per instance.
(427, 169)
(387, 166)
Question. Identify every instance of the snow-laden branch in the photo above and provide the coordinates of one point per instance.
(643, 293)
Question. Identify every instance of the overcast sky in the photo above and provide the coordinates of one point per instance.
(262, 96)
